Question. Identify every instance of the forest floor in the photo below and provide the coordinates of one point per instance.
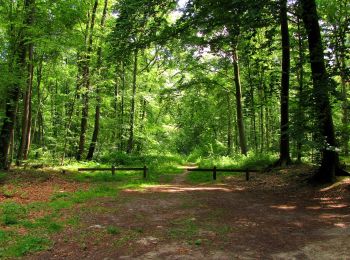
(275, 215)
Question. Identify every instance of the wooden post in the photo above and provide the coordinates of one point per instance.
(113, 170)
(214, 173)
(144, 172)
(247, 175)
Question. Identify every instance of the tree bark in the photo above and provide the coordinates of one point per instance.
(284, 137)
(98, 96)
(26, 119)
(229, 125)
(122, 109)
(300, 76)
(329, 167)
(238, 94)
(132, 110)
(86, 90)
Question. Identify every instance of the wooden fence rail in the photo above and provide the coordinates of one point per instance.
(215, 170)
(113, 169)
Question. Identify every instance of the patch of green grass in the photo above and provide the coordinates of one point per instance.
(47, 224)
(3, 177)
(113, 230)
(28, 244)
(7, 192)
(251, 161)
(184, 229)
(200, 177)
(15, 245)
(126, 238)
(12, 213)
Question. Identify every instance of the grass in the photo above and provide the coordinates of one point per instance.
(184, 229)
(27, 228)
(252, 161)
(16, 220)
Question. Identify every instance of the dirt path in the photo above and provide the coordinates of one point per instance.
(237, 220)
(181, 178)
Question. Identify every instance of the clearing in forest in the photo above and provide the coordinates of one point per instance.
(273, 216)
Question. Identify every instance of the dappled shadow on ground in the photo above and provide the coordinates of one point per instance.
(228, 221)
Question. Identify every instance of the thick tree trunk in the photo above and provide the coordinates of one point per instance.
(98, 97)
(238, 94)
(86, 80)
(284, 137)
(330, 159)
(132, 110)
(7, 130)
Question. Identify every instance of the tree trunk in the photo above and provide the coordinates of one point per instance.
(26, 119)
(132, 110)
(86, 90)
(122, 109)
(229, 125)
(300, 76)
(284, 137)
(238, 94)
(98, 97)
(329, 157)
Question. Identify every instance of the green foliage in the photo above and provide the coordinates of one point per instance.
(25, 245)
(113, 230)
(12, 213)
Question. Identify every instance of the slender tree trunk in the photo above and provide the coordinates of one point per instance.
(36, 136)
(26, 119)
(132, 110)
(98, 96)
(300, 76)
(340, 54)
(86, 80)
(142, 122)
(238, 94)
(122, 110)
(284, 137)
(345, 107)
(229, 125)
(330, 159)
(253, 116)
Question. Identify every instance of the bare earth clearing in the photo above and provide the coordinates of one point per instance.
(273, 216)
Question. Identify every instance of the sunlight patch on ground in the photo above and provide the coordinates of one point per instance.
(187, 167)
(330, 216)
(346, 180)
(284, 207)
(341, 225)
(179, 189)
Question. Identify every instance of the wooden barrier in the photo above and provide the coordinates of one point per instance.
(113, 169)
(215, 170)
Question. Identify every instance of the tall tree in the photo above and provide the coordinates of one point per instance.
(98, 94)
(86, 82)
(18, 47)
(27, 107)
(284, 137)
(329, 167)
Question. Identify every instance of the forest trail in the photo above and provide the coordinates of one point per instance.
(181, 178)
(262, 219)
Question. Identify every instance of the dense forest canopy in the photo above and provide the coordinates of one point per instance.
(94, 79)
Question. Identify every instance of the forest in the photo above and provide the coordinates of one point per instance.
(260, 84)
(93, 80)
